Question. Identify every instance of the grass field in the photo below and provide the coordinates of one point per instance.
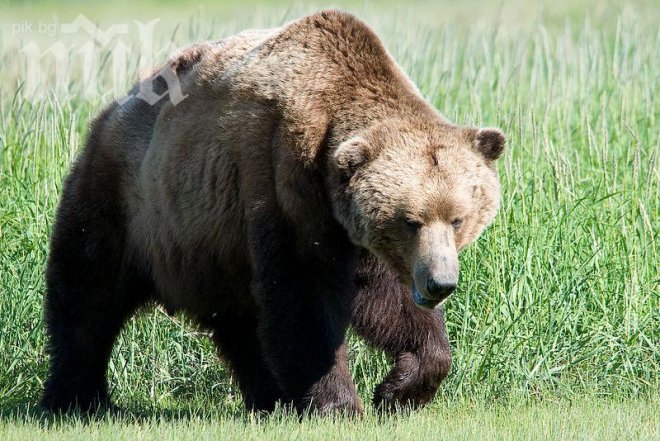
(555, 327)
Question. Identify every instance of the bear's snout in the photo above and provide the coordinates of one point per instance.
(436, 289)
(435, 272)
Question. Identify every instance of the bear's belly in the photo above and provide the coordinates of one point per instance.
(188, 224)
(202, 289)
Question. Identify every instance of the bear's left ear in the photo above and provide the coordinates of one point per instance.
(351, 154)
(489, 142)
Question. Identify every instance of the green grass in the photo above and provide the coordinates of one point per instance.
(556, 325)
(587, 420)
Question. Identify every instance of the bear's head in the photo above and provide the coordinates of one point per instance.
(415, 195)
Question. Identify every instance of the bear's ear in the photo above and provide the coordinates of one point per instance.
(489, 142)
(351, 154)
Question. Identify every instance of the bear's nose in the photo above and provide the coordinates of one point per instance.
(439, 290)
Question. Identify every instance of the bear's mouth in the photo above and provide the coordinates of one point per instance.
(422, 301)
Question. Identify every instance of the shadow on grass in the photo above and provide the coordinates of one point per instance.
(30, 412)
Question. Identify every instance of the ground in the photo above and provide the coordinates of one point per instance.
(556, 323)
(586, 420)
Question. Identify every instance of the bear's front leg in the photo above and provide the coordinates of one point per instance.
(387, 318)
(302, 330)
(304, 298)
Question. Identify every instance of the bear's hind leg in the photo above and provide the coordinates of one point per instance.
(386, 317)
(86, 305)
(235, 334)
(90, 292)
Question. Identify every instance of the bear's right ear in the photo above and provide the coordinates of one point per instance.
(351, 154)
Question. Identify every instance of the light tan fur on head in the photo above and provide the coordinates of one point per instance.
(416, 194)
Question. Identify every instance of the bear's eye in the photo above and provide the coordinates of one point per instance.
(413, 225)
(456, 223)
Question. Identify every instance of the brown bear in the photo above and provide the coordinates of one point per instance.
(299, 184)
